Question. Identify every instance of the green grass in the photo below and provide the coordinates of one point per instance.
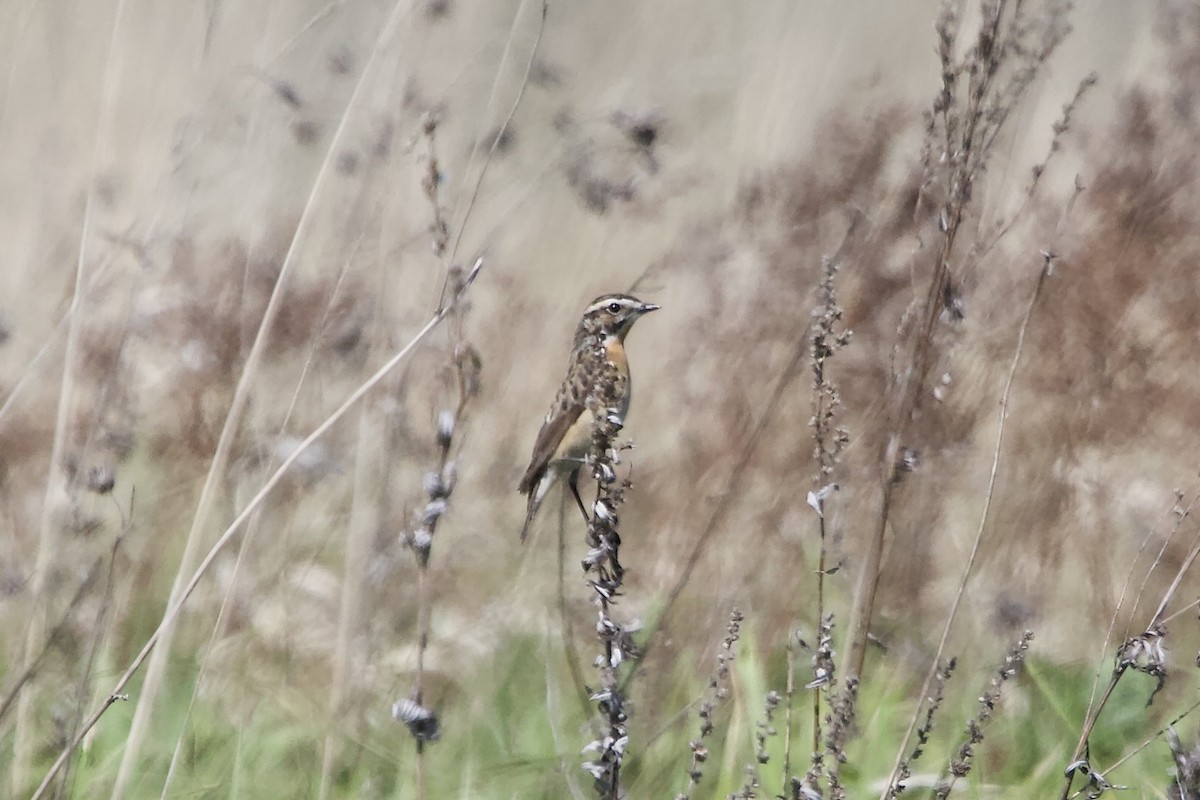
(498, 740)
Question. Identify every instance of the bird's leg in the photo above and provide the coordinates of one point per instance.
(573, 482)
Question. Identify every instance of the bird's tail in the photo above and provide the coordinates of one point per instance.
(525, 528)
(530, 511)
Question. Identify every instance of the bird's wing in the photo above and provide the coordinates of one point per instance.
(548, 440)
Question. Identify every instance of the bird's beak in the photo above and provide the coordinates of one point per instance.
(646, 308)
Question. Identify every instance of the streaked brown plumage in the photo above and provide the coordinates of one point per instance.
(562, 444)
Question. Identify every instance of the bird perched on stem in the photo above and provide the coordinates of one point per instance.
(597, 356)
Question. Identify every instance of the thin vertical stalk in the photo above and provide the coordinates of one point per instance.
(173, 611)
(984, 516)
(369, 471)
(23, 744)
(164, 635)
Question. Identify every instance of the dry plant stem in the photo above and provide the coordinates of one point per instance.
(174, 609)
(816, 695)
(251, 528)
(605, 576)
(1158, 558)
(609, 698)
(423, 613)
(1089, 725)
(732, 486)
(1167, 620)
(51, 639)
(816, 704)
(85, 677)
(298, 36)
(964, 757)
(126, 240)
(315, 341)
(23, 744)
(1146, 743)
(716, 693)
(165, 632)
(1158, 622)
(1060, 127)
(968, 131)
(932, 705)
(841, 710)
(764, 729)
(64, 323)
(790, 691)
(418, 689)
(1095, 708)
(1174, 587)
(829, 440)
(1112, 624)
(570, 649)
(47, 535)
(842, 707)
(102, 135)
(462, 225)
(566, 765)
(440, 487)
(202, 671)
(1005, 399)
(731, 492)
(907, 395)
(369, 469)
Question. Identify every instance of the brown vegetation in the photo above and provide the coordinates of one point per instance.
(214, 160)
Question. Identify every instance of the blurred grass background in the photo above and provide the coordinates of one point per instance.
(163, 162)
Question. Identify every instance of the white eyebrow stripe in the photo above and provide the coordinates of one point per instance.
(602, 304)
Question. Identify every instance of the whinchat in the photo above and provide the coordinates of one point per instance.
(598, 354)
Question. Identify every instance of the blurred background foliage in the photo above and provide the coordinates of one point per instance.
(176, 173)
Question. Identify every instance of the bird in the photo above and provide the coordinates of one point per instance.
(565, 439)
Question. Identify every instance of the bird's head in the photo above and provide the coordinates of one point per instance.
(613, 315)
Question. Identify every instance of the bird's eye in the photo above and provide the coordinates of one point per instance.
(614, 308)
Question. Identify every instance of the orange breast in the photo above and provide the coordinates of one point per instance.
(615, 351)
